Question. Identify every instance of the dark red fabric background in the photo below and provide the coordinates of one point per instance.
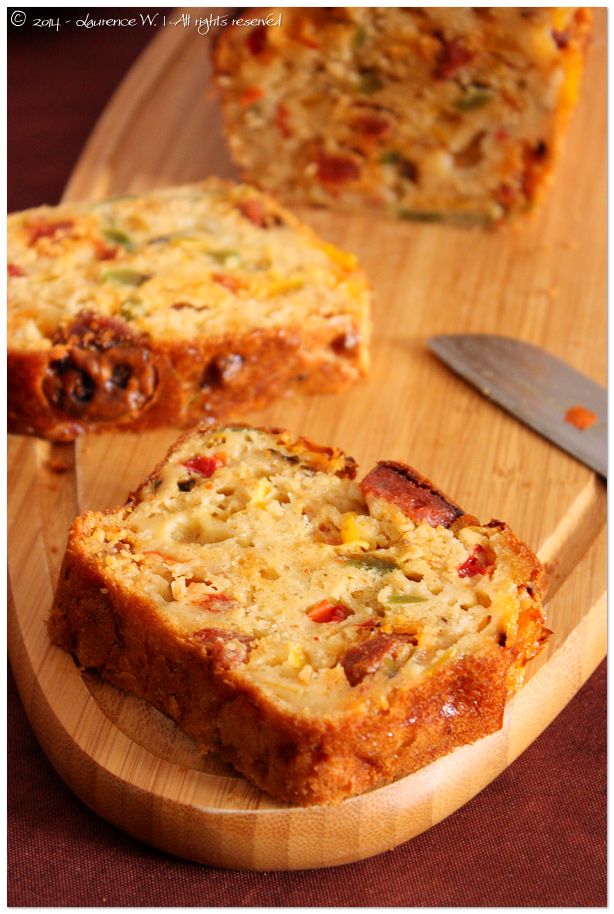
(535, 837)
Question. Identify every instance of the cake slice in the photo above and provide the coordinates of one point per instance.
(427, 113)
(171, 307)
(324, 636)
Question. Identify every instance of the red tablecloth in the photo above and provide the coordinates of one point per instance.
(535, 837)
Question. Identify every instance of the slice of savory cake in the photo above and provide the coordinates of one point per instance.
(171, 307)
(323, 636)
(427, 113)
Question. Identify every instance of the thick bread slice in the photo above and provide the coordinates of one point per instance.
(434, 114)
(171, 307)
(323, 636)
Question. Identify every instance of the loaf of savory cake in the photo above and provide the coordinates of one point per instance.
(171, 307)
(429, 113)
(323, 636)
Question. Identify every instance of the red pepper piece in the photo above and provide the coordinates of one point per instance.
(104, 251)
(372, 125)
(14, 270)
(151, 553)
(454, 55)
(226, 280)
(206, 466)
(479, 562)
(257, 40)
(43, 229)
(214, 602)
(561, 39)
(329, 612)
(368, 624)
(506, 195)
(249, 96)
(254, 211)
(337, 169)
(281, 120)
(581, 417)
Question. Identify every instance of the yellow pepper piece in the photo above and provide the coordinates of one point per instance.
(261, 493)
(343, 259)
(296, 657)
(352, 531)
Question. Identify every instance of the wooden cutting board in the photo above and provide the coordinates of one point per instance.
(544, 282)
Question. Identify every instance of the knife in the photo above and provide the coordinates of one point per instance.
(536, 388)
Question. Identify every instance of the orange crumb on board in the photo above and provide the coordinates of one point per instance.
(57, 465)
(581, 417)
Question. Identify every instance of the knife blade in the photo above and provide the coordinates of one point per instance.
(534, 386)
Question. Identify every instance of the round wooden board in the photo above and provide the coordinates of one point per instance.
(544, 282)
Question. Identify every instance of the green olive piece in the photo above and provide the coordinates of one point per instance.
(475, 97)
(406, 598)
(116, 236)
(373, 562)
(223, 256)
(124, 277)
(370, 81)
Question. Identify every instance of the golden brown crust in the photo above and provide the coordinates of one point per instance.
(298, 760)
(188, 381)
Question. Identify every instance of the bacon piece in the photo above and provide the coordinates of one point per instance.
(223, 646)
(336, 169)
(453, 56)
(366, 658)
(371, 125)
(414, 495)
